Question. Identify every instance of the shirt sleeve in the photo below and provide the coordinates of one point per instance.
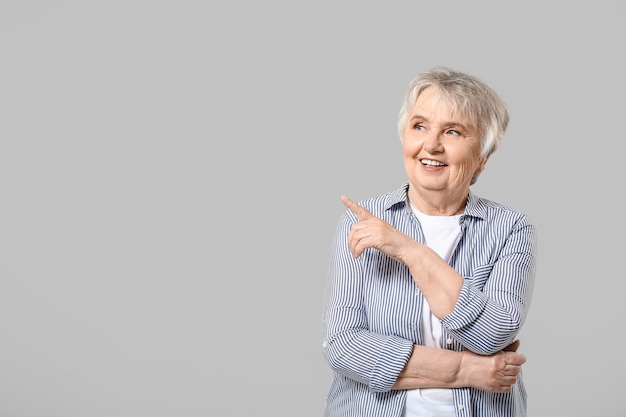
(495, 297)
(349, 347)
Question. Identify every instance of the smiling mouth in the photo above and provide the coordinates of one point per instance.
(431, 163)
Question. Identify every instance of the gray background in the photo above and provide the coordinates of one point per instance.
(171, 171)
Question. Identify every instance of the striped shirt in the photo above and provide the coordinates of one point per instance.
(372, 308)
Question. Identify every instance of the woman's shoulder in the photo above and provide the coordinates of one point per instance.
(488, 208)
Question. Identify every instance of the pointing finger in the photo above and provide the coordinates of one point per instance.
(360, 211)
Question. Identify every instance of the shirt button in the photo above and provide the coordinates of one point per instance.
(461, 407)
(324, 344)
(448, 341)
(414, 326)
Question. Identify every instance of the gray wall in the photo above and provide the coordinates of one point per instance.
(170, 174)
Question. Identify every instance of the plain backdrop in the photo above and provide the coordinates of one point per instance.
(171, 173)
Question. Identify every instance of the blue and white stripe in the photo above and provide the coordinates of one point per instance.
(372, 308)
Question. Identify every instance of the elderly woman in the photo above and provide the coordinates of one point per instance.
(429, 285)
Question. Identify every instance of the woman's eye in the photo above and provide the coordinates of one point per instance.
(454, 132)
(419, 127)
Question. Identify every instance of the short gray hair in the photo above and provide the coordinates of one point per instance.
(471, 97)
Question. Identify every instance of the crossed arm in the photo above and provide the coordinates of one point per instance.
(440, 368)
(432, 367)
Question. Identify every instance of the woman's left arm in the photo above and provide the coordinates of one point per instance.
(484, 318)
(494, 301)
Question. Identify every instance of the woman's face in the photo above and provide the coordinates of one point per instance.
(441, 151)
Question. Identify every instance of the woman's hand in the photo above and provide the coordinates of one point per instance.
(430, 367)
(372, 232)
(437, 280)
(494, 373)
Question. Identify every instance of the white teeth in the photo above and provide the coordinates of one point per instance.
(431, 163)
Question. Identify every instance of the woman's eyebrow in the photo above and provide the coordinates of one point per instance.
(447, 124)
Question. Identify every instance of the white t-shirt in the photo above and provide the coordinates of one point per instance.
(442, 234)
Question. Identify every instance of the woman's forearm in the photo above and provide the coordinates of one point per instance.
(437, 280)
(430, 367)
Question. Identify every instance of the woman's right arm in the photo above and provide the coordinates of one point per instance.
(441, 368)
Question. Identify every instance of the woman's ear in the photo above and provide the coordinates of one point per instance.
(481, 167)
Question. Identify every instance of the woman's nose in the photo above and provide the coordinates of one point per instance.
(433, 144)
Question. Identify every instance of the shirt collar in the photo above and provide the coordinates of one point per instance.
(475, 206)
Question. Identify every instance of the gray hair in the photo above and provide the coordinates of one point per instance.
(469, 96)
